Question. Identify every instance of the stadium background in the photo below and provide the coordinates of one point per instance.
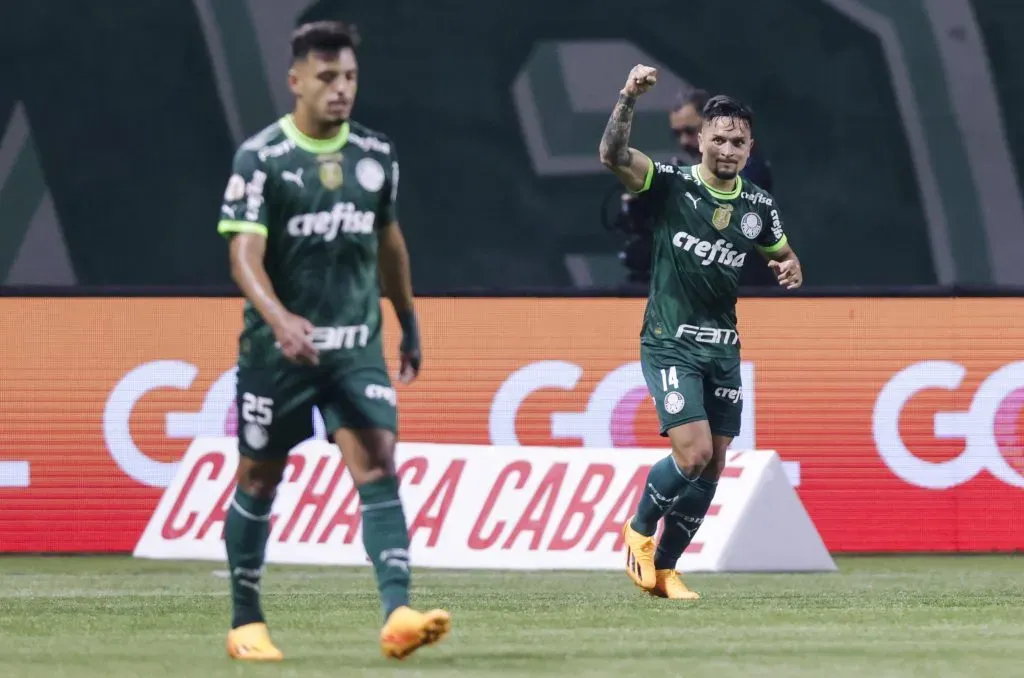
(893, 131)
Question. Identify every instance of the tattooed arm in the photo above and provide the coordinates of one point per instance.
(630, 165)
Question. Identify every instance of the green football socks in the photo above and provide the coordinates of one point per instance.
(682, 522)
(665, 482)
(246, 530)
(386, 538)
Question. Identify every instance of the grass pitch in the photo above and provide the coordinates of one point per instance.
(878, 617)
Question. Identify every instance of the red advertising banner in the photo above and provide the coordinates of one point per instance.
(900, 420)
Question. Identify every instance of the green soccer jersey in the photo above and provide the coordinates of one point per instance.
(702, 237)
(320, 204)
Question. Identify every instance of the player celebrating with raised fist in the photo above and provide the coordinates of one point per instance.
(706, 220)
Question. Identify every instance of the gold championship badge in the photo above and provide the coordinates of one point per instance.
(330, 171)
(721, 217)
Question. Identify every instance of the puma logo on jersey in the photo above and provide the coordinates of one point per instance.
(294, 177)
(693, 198)
(720, 251)
(343, 217)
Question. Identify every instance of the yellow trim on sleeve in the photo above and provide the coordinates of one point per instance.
(648, 178)
(226, 226)
(774, 248)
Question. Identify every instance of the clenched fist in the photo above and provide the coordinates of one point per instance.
(641, 79)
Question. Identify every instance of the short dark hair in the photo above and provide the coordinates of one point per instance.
(723, 106)
(696, 97)
(322, 36)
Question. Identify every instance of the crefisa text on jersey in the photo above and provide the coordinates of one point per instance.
(721, 250)
(756, 198)
(343, 217)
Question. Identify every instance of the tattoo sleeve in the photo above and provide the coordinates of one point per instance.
(615, 142)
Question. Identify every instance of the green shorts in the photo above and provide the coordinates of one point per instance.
(275, 404)
(688, 387)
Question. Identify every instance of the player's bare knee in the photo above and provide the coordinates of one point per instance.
(370, 475)
(369, 453)
(720, 448)
(259, 479)
(379, 464)
(692, 447)
(692, 455)
(714, 468)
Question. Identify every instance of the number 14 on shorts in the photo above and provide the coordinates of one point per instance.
(669, 378)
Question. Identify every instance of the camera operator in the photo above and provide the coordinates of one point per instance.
(634, 218)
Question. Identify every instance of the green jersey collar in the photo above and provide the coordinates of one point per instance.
(715, 193)
(318, 146)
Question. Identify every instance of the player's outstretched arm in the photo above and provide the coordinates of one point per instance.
(291, 331)
(631, 166)
(396, 283)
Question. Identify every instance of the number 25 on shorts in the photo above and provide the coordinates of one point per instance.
(668, 378)
(257, 409)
